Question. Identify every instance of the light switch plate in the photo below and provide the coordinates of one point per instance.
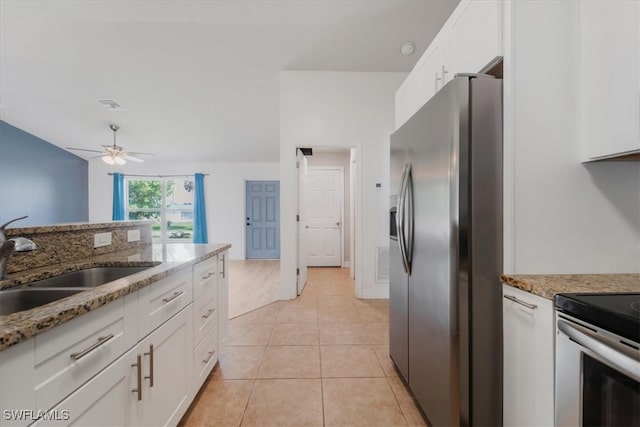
(101, 239)
(133, 235)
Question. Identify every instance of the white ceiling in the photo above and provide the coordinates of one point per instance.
(199, 80)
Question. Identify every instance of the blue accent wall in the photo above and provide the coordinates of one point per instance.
(40, 180)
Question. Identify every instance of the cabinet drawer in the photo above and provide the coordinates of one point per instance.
(161, 300)
(68, 356)
(205, 276)
(103, 401)
(205, 316)
(205, 357)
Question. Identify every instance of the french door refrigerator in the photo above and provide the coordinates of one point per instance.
(446, 253)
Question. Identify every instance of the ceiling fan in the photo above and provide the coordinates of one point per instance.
(114, 154)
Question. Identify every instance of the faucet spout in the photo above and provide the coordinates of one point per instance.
(3, 237)
(9, 246)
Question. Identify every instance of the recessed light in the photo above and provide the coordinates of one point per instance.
(407, 48)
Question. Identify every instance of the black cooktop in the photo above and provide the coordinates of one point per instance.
(615, 312)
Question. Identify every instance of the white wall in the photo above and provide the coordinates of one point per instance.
(339, 109)
(562, 216)
(224, 193)
(337, 159)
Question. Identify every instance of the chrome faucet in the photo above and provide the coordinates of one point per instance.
(9, 246)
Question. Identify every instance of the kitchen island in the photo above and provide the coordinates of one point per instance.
(132, 351)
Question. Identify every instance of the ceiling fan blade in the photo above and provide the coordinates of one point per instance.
(137, 153)
(83, 149)
(133, 159)
(100, 156)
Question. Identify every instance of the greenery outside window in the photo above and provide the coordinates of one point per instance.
(167, 201)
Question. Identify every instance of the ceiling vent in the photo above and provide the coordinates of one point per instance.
(110, 104)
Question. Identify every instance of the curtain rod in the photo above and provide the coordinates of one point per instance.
(159, 176)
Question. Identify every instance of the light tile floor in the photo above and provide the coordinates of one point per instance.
(320, 360)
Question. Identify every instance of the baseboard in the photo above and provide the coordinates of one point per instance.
(378, 292)
(346, 264)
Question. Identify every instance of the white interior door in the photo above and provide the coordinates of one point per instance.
(324, 217)
(301, 163)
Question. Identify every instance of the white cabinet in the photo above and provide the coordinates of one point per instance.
(164, 375)
(148, 386)
(610, 78)
(470, 39)
(528, 359)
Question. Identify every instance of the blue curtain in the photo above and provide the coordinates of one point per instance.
(118, 197)
(199, 212)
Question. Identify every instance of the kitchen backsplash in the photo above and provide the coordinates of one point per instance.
(70, 242)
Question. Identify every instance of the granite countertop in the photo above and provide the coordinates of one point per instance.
(164, 260)
(548, 285)
(72, 226)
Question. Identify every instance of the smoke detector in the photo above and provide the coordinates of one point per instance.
(407, 48)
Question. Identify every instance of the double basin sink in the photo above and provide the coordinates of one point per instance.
(35, 294)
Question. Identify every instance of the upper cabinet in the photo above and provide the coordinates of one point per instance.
(469, 40)
(610, 78)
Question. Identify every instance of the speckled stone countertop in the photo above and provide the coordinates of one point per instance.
(548, 285)
(57, 228)
(165, 259)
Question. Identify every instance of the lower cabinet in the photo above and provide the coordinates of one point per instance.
(528, 359)
(164, 373)
(148, 386)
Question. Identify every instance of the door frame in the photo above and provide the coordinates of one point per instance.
(341, 185)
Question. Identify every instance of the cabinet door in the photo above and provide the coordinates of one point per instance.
(475, 37)
(106, 400)
(166, 372)
(609, 84)
(528, 360)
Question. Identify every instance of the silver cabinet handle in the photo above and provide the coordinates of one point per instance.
(208, 275)
(620, 361)
(444, 71)
(209, 313)
(208, 359)
(519, 301)
(101, 340)
(138, 365)
(172, 297)
(224, 267)
(150, 354)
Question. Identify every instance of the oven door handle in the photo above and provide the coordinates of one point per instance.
(620, 361)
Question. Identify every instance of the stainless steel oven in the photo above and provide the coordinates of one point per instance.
(597, 362)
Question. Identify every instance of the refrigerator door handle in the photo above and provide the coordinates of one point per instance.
(408, 239)
(400, 218)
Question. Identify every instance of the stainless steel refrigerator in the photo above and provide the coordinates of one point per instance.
(446, 253)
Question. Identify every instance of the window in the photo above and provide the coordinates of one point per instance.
(168, 201)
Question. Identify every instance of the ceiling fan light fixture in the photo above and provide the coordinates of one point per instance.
(108, 160)
(120, 161)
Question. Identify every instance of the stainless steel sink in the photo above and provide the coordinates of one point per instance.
(14, 300)
(88, 278)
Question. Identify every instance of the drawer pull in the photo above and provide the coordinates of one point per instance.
(208, 275)
(224, 267)
(519, 301)
(138, 365)
(172, 297)
(209, 313)
(150, 354)
(208, 359)
(101, 340)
